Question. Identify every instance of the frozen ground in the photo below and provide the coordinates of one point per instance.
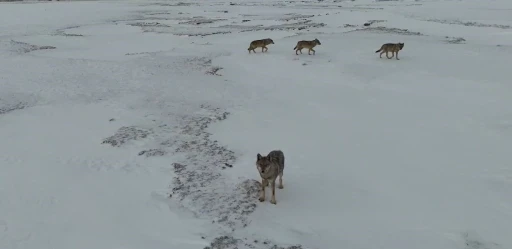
(136, 124)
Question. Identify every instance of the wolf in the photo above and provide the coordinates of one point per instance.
(263, 43)
(270, 167)
(390, 47)
(306, 44)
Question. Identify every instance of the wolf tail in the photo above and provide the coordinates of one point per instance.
(295, 48)
(378, 50)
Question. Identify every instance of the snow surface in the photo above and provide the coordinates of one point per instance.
(136, 124)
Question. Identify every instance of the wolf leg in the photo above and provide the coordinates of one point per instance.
(280, 181)
(273, 200)
(397, 55)
(262, 193)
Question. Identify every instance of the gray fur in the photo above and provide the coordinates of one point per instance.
(270, 167)
(277, 156)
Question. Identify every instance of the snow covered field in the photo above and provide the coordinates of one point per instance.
(136, 124)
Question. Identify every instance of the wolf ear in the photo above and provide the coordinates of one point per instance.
(258, 156)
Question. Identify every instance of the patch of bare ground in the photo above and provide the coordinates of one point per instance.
(199, 180)
(213, 71)
(181, 28)
(386, 30)
(370, 22)
(12, 107)
(229, 242)
(366, 24)
(469, 23)
(62, 32)
(126, 134)
(201, 20)
(148, 53)
(201, 64)
(148, 24)
(158, 13)
(307, 24)
(170, 4)
(455, 40)
(202, 34)
(13, 102)
(22, 47)
(293, 16)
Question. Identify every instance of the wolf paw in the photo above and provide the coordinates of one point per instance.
(262, 199)
(273, 202)
(280, 187)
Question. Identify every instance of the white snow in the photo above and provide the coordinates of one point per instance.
(409, 153)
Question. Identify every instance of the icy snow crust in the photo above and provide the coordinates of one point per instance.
(136, 124)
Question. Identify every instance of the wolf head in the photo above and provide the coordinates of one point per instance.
(263, 163)
(317, 41)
